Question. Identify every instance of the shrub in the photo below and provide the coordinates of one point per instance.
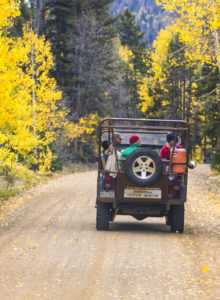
(215, 162)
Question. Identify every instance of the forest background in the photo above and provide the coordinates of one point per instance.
(64, 65)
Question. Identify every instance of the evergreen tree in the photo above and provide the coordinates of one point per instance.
(57, 30)
(82, 35)
(208, 114)
(23, 18)
(149, 16)
(131, 37)
(93, 60)
(178, 82)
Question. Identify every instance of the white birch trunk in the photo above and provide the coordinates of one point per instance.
(217, 50)
(216, 39)
(33, 94)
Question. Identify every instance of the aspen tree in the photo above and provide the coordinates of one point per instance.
(198, 23)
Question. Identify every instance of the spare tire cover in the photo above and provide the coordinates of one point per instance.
(143, 167)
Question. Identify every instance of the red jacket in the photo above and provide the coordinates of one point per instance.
(165, 151)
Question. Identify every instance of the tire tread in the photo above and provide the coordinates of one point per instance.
(102, 216)
(177, 218)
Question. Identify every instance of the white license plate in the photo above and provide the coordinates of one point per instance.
(143, 193)
(109, 194)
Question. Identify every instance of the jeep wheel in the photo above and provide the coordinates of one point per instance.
(102, 216)
(177, 218)
(143, 167)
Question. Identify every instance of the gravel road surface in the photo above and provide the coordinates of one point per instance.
(50, 249)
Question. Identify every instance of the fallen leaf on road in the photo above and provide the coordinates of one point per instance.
(205, 269)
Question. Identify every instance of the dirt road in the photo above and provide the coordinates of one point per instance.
(49, 248)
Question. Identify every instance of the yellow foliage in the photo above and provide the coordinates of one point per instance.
(126, 56)
(198, 21)
(143, 90)
(198, 155)
(160, 60)
(8, 10)
(85, 126)
(45, 160)
(31, 113)
(24, 68)
(161, 45)
(125, 53)
(32, 116)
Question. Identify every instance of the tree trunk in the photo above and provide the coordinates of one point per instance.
(216, 39)
(39, 6)
(189, 101)
(33, 94)
(180, 100)
(217, 51)
(184, 99)
(135, 94)
(205, 146)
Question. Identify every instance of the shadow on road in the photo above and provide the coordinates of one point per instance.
(140, 227)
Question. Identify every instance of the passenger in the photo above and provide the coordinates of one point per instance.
(111, 153)
(117, 139)
(106, 145)
(166, 150)
(111, 164)
(135, 144)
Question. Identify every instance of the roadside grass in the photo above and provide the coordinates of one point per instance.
(77, 168)
(23, 179)
(7, 193)
(213, 187)
(18, 185)
(215, 172)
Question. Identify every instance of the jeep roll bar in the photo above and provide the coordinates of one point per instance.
(111, 126)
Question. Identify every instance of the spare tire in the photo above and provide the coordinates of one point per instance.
(143, 167)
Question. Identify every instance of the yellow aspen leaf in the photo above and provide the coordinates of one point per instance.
(205, 269)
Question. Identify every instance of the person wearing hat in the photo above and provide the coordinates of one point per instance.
(171, 142)
(117, 139)
(110, 148)
(135, 144)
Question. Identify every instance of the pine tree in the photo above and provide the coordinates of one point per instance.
(208, 115)
(131, 37)
(57, 29)
(21, 20)
(81, 33)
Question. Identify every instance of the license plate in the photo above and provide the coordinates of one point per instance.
(143, 193)
(107, 194)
